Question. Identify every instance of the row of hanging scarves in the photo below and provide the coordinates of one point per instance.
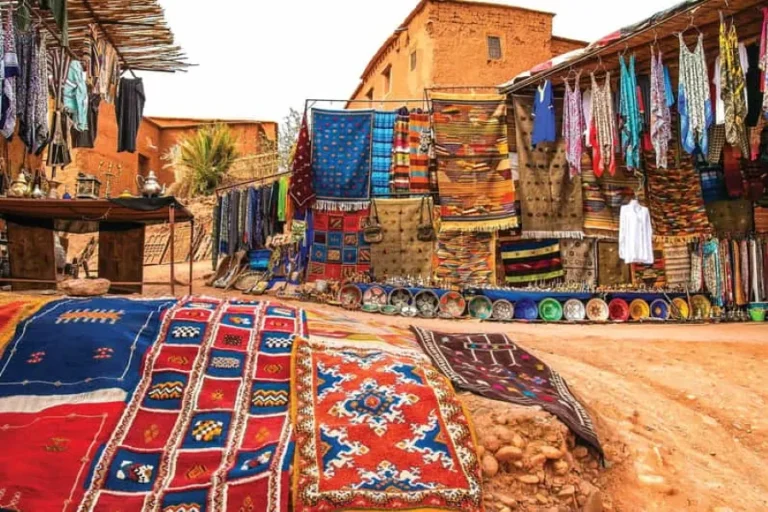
(733, 271)
(591, 119)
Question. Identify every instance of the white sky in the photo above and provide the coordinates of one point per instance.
(258, 58)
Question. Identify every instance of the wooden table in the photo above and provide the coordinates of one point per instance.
(121, 225)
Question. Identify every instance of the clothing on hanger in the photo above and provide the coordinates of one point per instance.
(635, 234)
(693, 101)
(543, 115)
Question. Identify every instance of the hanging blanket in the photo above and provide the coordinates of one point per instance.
(209, 424)
(731, 218)
(401, 153)
(377, 428)
(712, 184)
(493, 366)
(532, 262)
(338, 248)
(579, 261)
(383, 134)
(301, 188)
(13, 309)
(651, 276)
(603, 199)
(551, 200)
(419, 138)
(761, 220)
(401, 253)
(474, 174)
(465, 259)
(341, 158)
(611, 270)
(677, 263)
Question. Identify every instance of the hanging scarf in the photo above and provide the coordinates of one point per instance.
(301, 191)
(661, 118)
(604, 127)
(713, 271)
(224, 225)
(693, 101)
(732, 84)
(726, 271)
(10, 72)
(745, 270)
(573, 125)
(630, 113)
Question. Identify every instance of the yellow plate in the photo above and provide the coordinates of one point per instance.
(639, 309)
(680, 309)
(701, 306)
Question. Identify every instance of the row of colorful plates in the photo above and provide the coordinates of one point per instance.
(427, 303)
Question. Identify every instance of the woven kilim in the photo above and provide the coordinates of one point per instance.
(339, 250)
(677, 265)
(493, 366)
(731, 218)
(473, 173)
(341, 158)
(603, 199)
(381, 169)
(761, 219)
(465, 258)
(651, 276)
(611, 270)
(401, 253)
(208, 427)
(579, 261)
(401, 153)
(532, 261)
(551, 200)
(378, 428)
(419, 138)
(13, 309)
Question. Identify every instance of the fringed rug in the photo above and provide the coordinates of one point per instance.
(339, 250)
(401, 153)
(381, 165)
(579, 261)
(603, 199)
(551, 200)
(493, 366)
(474, 175)
(731, 218)
(611, 270)
(419, 137)
(653, 275)
(341, 158)
(463, 259)
(378, 429)
(677, 265)
(13, 309)
(208, 427)
(532, 262)
(401, 253)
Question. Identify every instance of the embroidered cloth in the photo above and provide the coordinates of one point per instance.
(473, 171)
(381, 166)
(611, 271)
(731, 218)
(339, 250)
(401, 253)
(579, 261)
(463, 259)
(493, 366)
(378, 429)
(341, 158)
(532, 261)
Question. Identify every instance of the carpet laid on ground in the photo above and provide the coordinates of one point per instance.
(13, 309)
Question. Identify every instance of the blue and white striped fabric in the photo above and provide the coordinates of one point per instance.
(383, 134)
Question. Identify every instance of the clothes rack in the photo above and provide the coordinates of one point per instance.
(249, 182)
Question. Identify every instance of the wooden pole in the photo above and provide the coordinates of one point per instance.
(172, 219)
(191, 254)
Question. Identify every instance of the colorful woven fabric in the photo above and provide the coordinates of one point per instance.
(381, 167)
(208, 424)
(551, 200)
(761, 219)
(603, 199)
(401, 253)
(13, 309)
(532, 261)
(419, 139)
(73, 346)
(651, 276)
(465, 258)
(378, 429)
(339, 250)
(493, 366)
(712, 184)
(579, 261)
(731, 218)
(401, 153)
(677, 265)
(611, 271)
(341, 158)
(473, 173)
(301, 188)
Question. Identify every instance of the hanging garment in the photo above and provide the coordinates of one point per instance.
(543, 115)
(697, 270)
(604, 127)
(733, 88)
(745, 271)
(32, 92)
(129, 109)
(573, 125)
(224, 225)
(10, 66)
(87, 138)
(717, 79)
(75, 95)
(58, 9)
(629, 111)
(693, 98)
(713, 276)
(381, 153)
(301, 191)
(282, 200)
(58, 152)
(754, 94)
(586, 110)
(661, 119)
(669, 91)
(635, 234)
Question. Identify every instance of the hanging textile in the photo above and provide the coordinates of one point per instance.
(611, 271)
(677, 265)
(712, 183)
(732, 84)
(465, 259)
(301, 191)
(381, 166)
(719, 69)
(635, 234)
(474, 175)
(87, 138)
(543, 114)
(339, 250)
(10, 65)
(603, 130)
(32, 92)
(75, 95)
(401, 253)
(579, 261)
(697, 269)
(632, 123)
(693, 98)
(58, 10)
(712, 270)
(604, 197)
(224, 225)
(651, 275)
(401, 153)
(529, 262)
(282, 201)
(731, 218)
(573, 125)
(761, 219)
(58, 151)
(341, 158)
(661, 118)
(129, 109)
(419, 139)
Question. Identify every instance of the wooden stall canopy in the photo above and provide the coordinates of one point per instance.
(96, 210)
(660, 30)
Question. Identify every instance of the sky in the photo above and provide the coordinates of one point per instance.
(258, 58)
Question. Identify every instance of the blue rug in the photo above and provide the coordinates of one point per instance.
(383, 134)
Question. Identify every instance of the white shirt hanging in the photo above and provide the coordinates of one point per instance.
(635, 234)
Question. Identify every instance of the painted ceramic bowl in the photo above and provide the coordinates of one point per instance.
(660, 309)
(370, 308)
(550, 310)
(480, 307)
(375, 295)
(597, 310)
(453, 304)
(389, 310)
(526, 309)
(350, 296)
(574, 310)
(639, 310)
(409, 311)
(400, 297)
(680, 309)
(503, 311)
(618, 310)
(428, 303)
(701, 306)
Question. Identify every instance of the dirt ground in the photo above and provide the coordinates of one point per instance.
(681, 410)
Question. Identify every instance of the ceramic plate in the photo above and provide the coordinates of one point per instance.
(480, 307)
(350, 296)
(375, 295)
(660, 309)
(574, 310)
(550, 310)
(400, 297)
(526, 309)
(639, 309)
(597, 310)
(453, 304)
(427, 302)
(680, 309)
(701, 306)
(618, 310)
(503, 310)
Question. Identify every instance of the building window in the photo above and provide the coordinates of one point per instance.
(413, 60)
(369, 94)
(494, 48)
(387, 74)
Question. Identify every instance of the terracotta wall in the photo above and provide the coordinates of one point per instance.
(561, 45)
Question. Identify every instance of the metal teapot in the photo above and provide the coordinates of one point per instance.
(149, 186)
(19, 187)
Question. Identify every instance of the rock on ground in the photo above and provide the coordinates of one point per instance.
(84, 287)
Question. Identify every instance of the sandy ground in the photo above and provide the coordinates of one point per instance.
(681, 410)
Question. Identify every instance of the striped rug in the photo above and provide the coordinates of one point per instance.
(677, 263)
(532, 261)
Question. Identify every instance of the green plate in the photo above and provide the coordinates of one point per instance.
(550, 310)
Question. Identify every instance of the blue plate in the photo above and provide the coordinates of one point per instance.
(526, 309)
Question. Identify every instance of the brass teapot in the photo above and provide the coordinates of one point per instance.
(19, 186)
(149, 186)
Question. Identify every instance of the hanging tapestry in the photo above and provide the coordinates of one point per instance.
(75, 346)
(48, 453)
(493, 366)
(465, 259)
(653, 275)
(13, 309)
(761, 219)
(611, 270)
(674, 196)
(604, 197)
(419, 138)
(401, 253)
(473, 171)
(712, 184)
(579, 261)
(209, 423)
(339, 250)
(301, 187)
(551, 200)
(378, 430)
(677, 265)
(529, 262)
(341, 158)
(401, 153)
(731, 218)
(381, 168)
